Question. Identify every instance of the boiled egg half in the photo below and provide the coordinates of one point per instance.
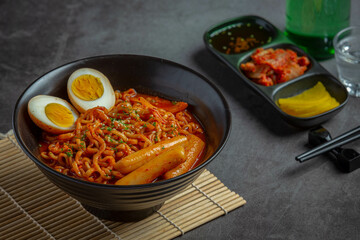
(88, 88)
(52, 114)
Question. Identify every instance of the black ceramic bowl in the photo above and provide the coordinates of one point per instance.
(147, 75)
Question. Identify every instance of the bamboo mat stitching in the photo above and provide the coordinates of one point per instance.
(8, 135)
(212, 200)
(171, 222)
(26, 213)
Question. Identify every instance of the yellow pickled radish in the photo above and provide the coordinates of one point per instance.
(311, 102)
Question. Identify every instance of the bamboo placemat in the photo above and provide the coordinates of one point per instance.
(33, 208)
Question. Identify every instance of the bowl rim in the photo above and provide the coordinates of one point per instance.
(113, 186)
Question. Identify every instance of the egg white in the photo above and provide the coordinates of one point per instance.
(107, 100)
(36, 110)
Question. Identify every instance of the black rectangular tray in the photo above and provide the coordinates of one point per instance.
(314, 74)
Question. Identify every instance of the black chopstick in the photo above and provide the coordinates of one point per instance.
(343, 139)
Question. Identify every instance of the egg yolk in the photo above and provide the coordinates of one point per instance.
(87, 87)
(59, 115)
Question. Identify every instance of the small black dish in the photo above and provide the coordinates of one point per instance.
(290, 88)
(147, 75)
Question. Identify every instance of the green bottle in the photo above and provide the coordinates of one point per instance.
(312, 24)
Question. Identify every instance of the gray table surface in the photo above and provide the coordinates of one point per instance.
(285, 199)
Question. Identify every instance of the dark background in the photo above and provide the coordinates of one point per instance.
(285, 199)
